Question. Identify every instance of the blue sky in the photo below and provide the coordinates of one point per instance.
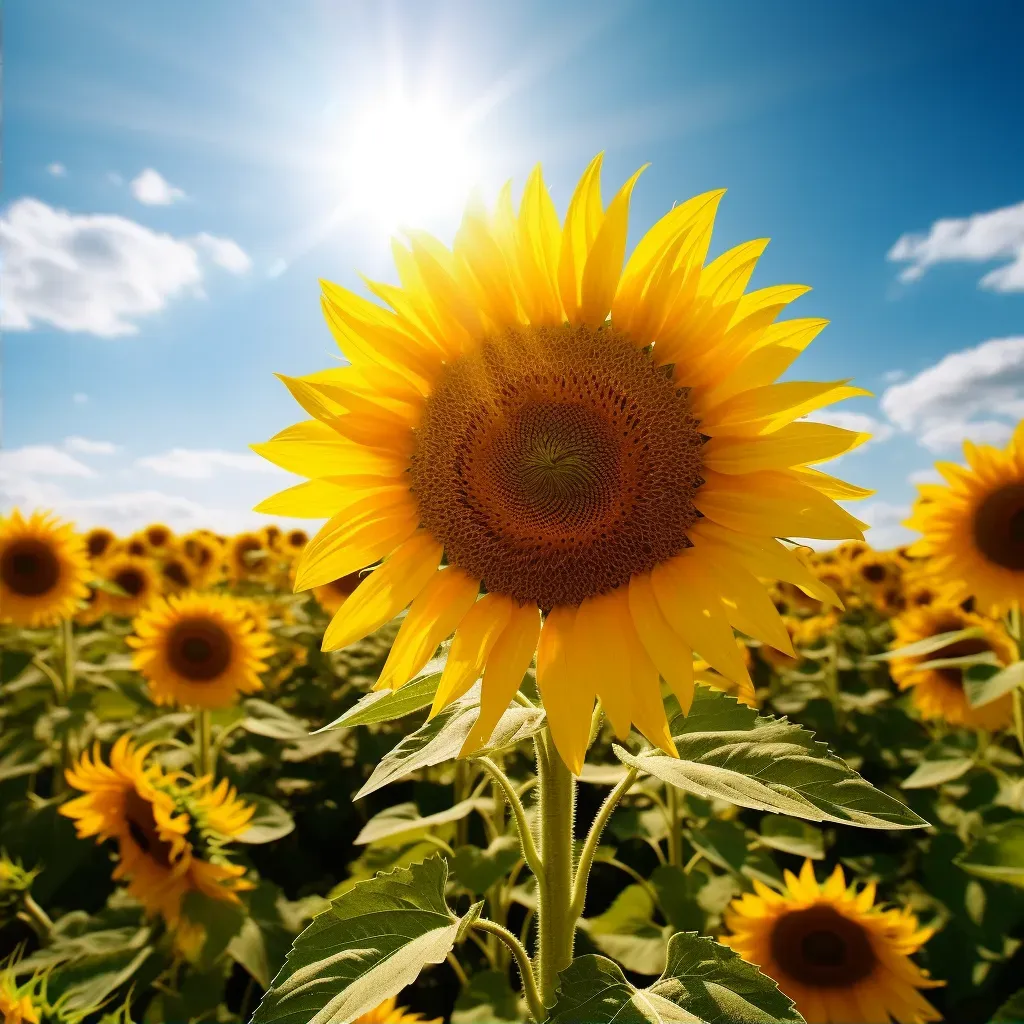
(176, 179)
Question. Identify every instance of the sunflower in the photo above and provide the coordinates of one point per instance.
(247, 557)
(99, 541)
(875, 570)
(973, 529)
(44, 569)
(137, 577)
(204, 553)
(295, 541)
(137, 546)
(158, 537)
(852, 549)
(169, 830)
(199, 650)
(271, 536)
(601, 449)
(177, 574)
(938, 693)
(389, 1012)
(836, 954)
(331, 596)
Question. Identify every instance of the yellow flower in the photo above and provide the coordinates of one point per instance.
(136, 576)
(939, 693)
(199, 650)
(295, 541)
(158, 537)
(16, 1006)
(875, 570)
(177, 574)
(839, 957)
(169, 831)
(973, 527)
(99, 541)
(248, 557)
(44, 569)
(136, 545)
(204, 553)
(271, 536)
(390, 1013)
(600, 447)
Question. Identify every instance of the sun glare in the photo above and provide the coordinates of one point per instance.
(407, 162)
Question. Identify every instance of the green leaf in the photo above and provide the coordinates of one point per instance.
(792, 836)
(702, 981)
(982, 689)
(627, 932)
(271, 821)
(935, 773)
(930, 644)
(368, 946)
(402, 822)
(249, 949)
(441, 739)
(1011, 1012)
(268, 720)
(998, 855)
(13, 663)
(477, 870)
(723, 843)
(962, 662)
(677, 896)
(487, 999)
(729, 752)
(387, 705)
(221, 922)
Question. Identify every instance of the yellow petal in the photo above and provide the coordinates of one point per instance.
(355, 538)
(768, 408)
(539, 237)
(313, 449)
(794, 445)
(476, 636)
(432, 618)
(569, 708)
(647, 707)
(599, 656)
(321, 499)
(830, 485)
(586, 212)
(385, 591)
(604, 262)
(507, 663)
(674, 660)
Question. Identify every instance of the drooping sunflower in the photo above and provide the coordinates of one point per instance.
(973, 526)
(331, 596)
(389, 1012)
(938, 693)
(248, 557)
(199, 650)
(99, 541)
(136, 576)
(169, 830)
(836, 954)
(44, 569)
(600, 448)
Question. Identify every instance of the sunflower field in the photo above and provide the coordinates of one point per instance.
(587, 701)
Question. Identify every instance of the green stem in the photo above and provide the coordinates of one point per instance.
(675, 830)
(204, 748)
(454, 964)
(579, 889)
(1018, 717)
(68, 637)
(555, 925)
(533, 998)
(461, 787)
(37, 918)
(529, 847)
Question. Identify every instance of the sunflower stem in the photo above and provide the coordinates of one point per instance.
(555, 924)
(533, 998)
(526, 841)
(675, 831)
(204, 748)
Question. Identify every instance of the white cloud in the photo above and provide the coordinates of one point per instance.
(58, 170)
(152, 189)
(79, 398)
(977, 393)
(884, 520)
(202, 464)
(84, 446)
(41, 460)
(892, 376)
(96, 273)
(982, 237)
(224, 252)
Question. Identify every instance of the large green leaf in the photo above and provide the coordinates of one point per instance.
(402, 823)
(998, 855)
(627, 932)
(983, 687)
(792, 836)
(702, 981)
(441, 739)
(478, 869)
(368, 946)
(387, 705)
(934, 773)
(729, 752)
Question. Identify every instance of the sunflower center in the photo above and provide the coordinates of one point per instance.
(97, 543)
(131, 581)
(821, 948)
(298, 538)
(29, 568)
(143, 829)
(873, 573)
(176, 574)
(198, 649)
(999, 527)
(158, 536)
(554, 463)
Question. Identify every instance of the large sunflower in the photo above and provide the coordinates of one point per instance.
(169, 830)
(44, 569)
(939, 692)
(973, 529)
(136, 576)
(199, 650)
(839, 957)
(600, 448)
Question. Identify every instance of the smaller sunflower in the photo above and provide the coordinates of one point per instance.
(389, 1012)
(177, 574)
(44, 569)
(836, 954)
(137, 546)
(199, 650)
(920, 590)
(248, 557)
(851, 549)
(331, 596)
(973, 526)
(295, 541)
(91, 608)
(160, 538)
(875, 570)
(938, 693)
(99, 541)
(170, 831)
(205, 555)
(136, 576)
(271, 537)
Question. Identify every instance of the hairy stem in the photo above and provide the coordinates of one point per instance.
(533, 998)
(530, 852)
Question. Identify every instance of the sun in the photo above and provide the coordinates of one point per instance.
(407, 160)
